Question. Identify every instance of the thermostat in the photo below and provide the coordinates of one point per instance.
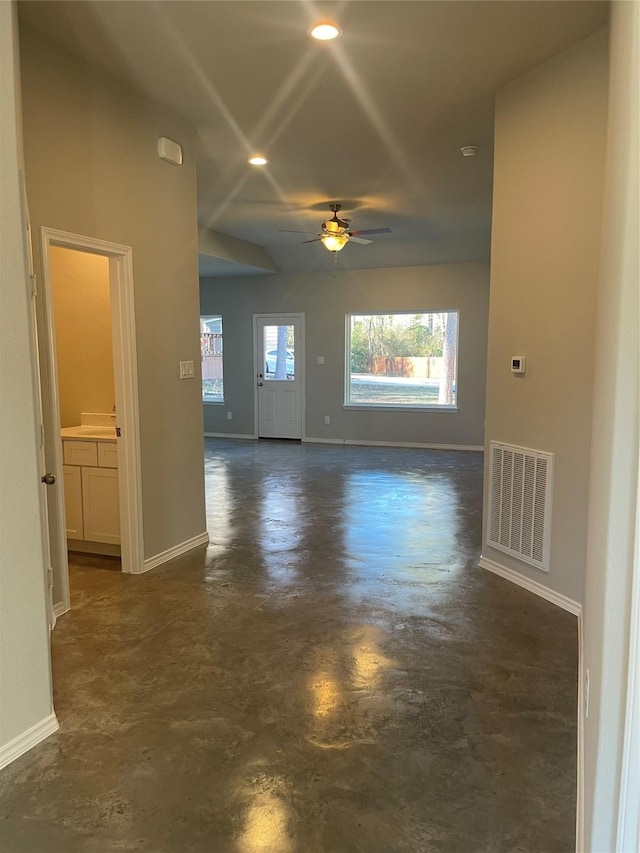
(518, 363)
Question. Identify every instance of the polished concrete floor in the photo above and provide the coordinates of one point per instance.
(334, 673)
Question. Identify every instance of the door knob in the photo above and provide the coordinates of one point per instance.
(49, 479)
(260, 384)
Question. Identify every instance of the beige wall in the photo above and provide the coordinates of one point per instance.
(547, 208)
(92, 169)
(613, 505)
(325, 298)
(84, 352)
(25, 672)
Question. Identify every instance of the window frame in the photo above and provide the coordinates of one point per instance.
(408, 407)
(205, 317)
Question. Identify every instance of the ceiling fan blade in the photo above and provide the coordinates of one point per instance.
(370, 231)
(315, 240)
(359, 240)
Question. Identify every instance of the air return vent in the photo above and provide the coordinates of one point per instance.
(521, 486)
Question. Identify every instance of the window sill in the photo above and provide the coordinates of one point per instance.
(213, 402)
(389, 407)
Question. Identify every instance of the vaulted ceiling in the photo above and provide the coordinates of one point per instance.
(374, 120)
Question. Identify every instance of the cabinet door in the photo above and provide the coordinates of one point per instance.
(73, 501)
(100, 504)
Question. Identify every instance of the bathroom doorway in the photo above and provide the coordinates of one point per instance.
(90, 402)
(80, 290)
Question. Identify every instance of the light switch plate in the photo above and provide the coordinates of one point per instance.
(186, 370)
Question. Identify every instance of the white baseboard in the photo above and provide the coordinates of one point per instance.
(409, 444)
(176, 551)
(360, 442)
(100, 549)
(24, 742)
(551, 595)
(580, 763)
(60, 609)
(229, 435)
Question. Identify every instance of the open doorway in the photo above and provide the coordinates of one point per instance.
(80, 290)
(91, 430)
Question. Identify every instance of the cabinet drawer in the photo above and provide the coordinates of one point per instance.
(107, 454)
(80, 453)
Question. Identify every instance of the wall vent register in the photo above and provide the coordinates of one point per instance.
(520, 496)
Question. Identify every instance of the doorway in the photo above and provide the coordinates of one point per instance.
(279, 365)
(80, 290)
(90, 371)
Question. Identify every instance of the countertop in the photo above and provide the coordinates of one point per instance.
(89, 433)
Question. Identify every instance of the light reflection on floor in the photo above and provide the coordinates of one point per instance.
(387, 527)
(280, 526)
(265, 826)
(222, 521)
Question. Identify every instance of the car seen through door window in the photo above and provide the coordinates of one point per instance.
(271, 358)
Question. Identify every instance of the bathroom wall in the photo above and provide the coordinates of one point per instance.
(81, 305)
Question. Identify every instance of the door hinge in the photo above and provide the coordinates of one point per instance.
(50, 576)
(34, 284)
(41, 435)
(118, 432)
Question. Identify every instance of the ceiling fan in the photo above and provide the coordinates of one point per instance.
(335, 233)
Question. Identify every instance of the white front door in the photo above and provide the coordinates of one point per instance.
(279, 362)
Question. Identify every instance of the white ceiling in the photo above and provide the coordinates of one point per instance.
(374, 120)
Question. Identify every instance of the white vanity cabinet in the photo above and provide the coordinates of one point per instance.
(91, 490)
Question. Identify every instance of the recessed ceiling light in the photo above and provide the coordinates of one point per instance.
(469, 150)
(258, 160)
(325, 31)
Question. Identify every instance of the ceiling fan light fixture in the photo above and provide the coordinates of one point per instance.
(332, 226)
(258, 160)
(334, 242)
(325, 31)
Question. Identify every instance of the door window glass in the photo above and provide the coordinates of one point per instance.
(278, 347)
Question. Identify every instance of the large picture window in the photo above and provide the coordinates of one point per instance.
(211, 352)
(403, 360)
